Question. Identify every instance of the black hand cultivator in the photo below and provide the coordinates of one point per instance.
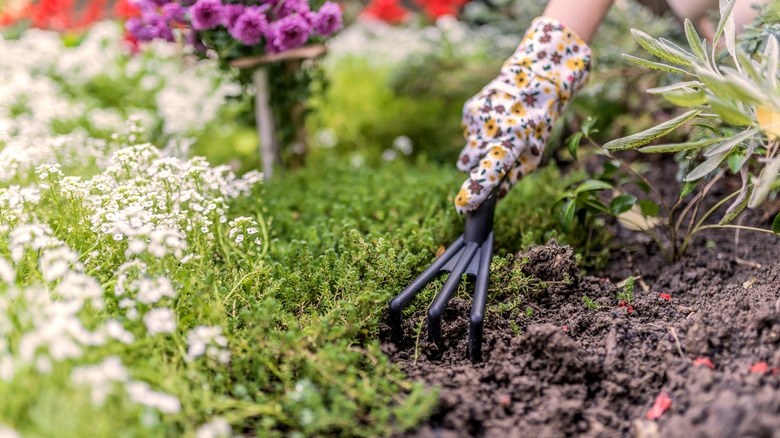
(470, 254)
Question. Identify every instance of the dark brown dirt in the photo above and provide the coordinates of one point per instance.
(572, 370)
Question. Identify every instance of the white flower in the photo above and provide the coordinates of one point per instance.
(7, 432)
(217, 428)
(151, 291)
(115, 329)
(140, 392)
(160, 320)
(100, 377)
(7, 272)
(207, 340)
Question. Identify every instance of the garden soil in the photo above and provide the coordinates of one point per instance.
(704, 331)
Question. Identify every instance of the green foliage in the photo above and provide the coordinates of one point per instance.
(745, 101)
(590, 304)
(627, 292)
(367, 109)
(754, 36)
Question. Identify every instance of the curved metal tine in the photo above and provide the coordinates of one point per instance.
(477, 319)
(441, 300)
(397, 304)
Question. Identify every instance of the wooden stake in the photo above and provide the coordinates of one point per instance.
(266, 128)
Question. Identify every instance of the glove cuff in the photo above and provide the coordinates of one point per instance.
(553, 53)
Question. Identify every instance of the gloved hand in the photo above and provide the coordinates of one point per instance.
(507, 124)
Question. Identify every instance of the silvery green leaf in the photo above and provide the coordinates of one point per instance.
(677, 86)
(715, 83)
(660, 49)
(648, 135)
(728, 112)
(730, 143)
(654, 65)
(686, 98)
(748, 66)
(693, 40)
(771, 57)
(706, 167)
(741, 87)
(766, 181)
(726, 7)
(677, 147)
(729, 30)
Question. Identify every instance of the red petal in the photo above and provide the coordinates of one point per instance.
(760, 367)
(662, 403)
(703, 361)
(667, 296)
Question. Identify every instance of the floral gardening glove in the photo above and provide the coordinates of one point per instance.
(507, 124)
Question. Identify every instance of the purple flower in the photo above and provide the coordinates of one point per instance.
(230, 14)
(160, 2)
(250, 27)
(288, 33)
(157, 26)
(206, 14)
(173, 13)
(289, 7)
(139, 29)
(328, 19)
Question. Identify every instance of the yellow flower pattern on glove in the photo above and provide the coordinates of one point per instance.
(507, 124)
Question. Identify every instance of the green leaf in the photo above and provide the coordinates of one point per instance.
(660, 49)
(687, 188)
(587, 126)
(766, 182)
(736, 161)
(706, 167)
(648, 208)
(730, 143)
(591, 185)
(677, 86)
(728, 112)
(742, 87)
(610, 167)
(621, 204)
(695, 42)
(770, 60)
(776, 224)
(597, 205)
(686, 98)
(725, 15)
(567, 216)
(676, 147)
(654, 65)
(648, 135)
(573, 143)
(737, 206)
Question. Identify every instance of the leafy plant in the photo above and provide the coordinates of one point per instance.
(736, 109)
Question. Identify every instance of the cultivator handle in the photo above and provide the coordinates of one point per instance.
(470, 254)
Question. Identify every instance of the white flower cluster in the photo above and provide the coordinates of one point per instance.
(242, 229)
(44, 85)
(209, 341)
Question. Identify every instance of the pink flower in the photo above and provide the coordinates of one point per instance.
(206, 14)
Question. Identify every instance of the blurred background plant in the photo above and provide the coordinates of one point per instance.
(395, 73)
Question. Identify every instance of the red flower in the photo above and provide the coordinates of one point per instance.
(123, 9)
(389, 11)
(703, 361)
(662, 403)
